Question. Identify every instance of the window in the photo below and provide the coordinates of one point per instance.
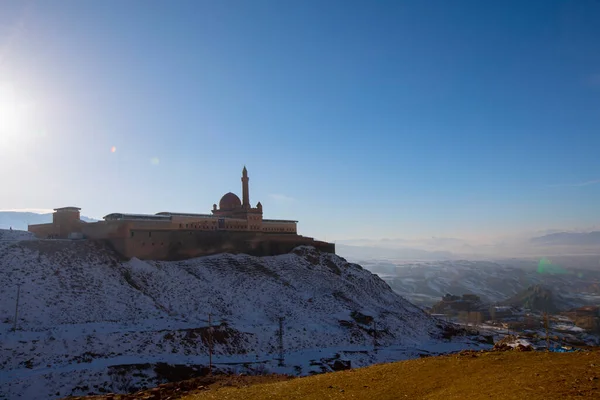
(181, 225)
(131, 234)
(149, 234)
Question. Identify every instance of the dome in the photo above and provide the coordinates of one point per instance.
(230, 201)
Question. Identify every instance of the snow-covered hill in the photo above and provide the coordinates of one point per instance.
(88, 322)
(569, 239)
(14, 235)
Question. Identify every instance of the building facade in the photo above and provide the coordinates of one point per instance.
(234, 226)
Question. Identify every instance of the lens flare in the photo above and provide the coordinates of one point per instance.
(113, 149)
(545, 266)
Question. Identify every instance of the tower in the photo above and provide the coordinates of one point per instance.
(245, 190)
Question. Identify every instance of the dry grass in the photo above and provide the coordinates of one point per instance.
(470, 375)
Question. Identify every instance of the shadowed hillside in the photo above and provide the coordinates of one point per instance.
(536, 298)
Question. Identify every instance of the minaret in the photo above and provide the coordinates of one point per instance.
(245, 190)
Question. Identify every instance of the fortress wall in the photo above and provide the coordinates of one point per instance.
(164, 240)
(236, 224)
(61, 226)
(42, 231)
(287, 227)
(193, 222)
(115, 232)
(183, 244)
(284, 243)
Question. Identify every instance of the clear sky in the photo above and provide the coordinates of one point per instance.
(360, 119)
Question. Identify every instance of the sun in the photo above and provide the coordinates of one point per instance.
(15, 115)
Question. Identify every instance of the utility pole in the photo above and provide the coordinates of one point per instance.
(17, 307)
(374, 335)
(546, 326)
(210, 344)
(280, 341)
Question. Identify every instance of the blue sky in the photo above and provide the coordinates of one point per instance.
(360, 119)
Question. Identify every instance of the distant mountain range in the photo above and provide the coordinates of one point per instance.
(550, 243)
(19, 220)
(568, 239)
(403, 253)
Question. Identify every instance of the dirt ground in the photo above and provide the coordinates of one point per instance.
(466, 375)
(177, 390)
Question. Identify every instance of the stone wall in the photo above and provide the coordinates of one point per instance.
(183, 244)
(42, 231)
(279, 226)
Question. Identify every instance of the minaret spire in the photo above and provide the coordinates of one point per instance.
(245, 189)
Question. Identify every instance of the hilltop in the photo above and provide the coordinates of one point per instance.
(90, 322)
(535, 298)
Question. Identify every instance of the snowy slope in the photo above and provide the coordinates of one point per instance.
(14, 235)
(83, 312)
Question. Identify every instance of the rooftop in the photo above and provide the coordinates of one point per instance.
(172, 214)
(142, 217)
(67, 209)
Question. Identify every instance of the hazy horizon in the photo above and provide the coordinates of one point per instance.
(430, 248)
(469, 120)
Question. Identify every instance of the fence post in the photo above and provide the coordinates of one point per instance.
(374, 334)
(210, 344)
(280, 341)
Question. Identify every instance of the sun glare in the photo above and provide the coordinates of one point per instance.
(14, 116)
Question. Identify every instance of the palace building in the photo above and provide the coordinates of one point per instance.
(234, 227)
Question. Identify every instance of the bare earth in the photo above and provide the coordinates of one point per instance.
(467, 375)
